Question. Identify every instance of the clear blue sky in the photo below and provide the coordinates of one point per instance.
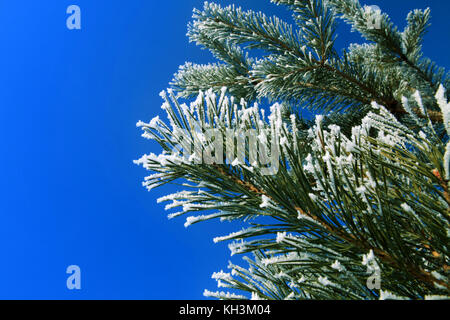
(69, 192)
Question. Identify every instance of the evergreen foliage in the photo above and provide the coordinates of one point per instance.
(358, 207)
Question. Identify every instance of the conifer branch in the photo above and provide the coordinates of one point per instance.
(359, 194)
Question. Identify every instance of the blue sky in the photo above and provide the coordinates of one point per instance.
(69, 102)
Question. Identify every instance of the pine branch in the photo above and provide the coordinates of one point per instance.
(255, 30)
(362, 190)
(350, 191)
